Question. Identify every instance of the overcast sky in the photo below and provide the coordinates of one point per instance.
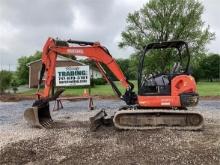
(26, 24)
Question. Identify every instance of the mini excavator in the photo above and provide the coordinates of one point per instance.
(162, 99)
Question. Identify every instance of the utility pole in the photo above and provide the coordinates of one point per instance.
(1, 61)
(219, 68)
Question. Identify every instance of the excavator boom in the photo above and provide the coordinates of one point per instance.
(92, 50)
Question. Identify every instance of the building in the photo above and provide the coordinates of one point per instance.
(35, 67)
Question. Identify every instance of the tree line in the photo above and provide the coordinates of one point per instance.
(207, 68)
(156, 21)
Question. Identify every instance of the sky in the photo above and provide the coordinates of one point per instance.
(25, 25)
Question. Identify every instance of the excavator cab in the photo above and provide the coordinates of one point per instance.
(156, 80)
(165, 91)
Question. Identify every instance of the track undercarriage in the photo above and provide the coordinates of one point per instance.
(145, 119)
(127, 119)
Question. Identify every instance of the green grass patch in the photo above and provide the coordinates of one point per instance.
(204, 89)
(208, 88)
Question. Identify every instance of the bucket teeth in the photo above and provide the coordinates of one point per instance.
(47, 123)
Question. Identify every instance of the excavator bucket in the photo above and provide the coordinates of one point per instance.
(31, 116)
(38, 115)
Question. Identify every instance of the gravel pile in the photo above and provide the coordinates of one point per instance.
(71, 141)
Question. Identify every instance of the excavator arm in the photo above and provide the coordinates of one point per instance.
(39, 114)
(93, 51)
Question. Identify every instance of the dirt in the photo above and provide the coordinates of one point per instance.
(20, 97)
(71, 142)
(15, 97)
(210, 97)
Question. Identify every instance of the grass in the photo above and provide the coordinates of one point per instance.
(209, 88)
(204, 89)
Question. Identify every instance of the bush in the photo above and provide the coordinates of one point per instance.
(98, 81)
(23, 70)
(209, 67)
(14, 85)
(5, 80)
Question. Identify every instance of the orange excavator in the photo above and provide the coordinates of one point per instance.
(162, 99)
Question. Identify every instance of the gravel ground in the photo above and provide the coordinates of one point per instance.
(71, 142)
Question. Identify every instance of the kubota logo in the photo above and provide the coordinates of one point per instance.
(75, 51)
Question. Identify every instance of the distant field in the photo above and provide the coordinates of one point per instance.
(204, 89)
(209, 88)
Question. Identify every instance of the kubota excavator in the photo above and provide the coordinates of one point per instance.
(162, 99)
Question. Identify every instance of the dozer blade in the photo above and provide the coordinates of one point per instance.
(38, 116)
(154, 119)
(99, 119)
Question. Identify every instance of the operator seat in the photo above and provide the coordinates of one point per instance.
(161, 80)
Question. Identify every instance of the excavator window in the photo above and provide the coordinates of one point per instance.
(155, 78)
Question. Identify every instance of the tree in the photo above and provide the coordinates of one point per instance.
(210, 67)
(164, 20)
(127, 68)
(14, 84)
(22, 70)
(124, 65)
(5, 79)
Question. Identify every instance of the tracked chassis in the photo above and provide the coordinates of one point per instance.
(146, 119)
(153, 119)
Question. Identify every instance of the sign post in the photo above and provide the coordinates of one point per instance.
(73, 76)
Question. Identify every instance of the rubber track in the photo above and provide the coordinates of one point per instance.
(156, 113)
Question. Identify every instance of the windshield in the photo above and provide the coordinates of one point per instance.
(164, 61)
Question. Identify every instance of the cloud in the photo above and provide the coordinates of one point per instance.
(210, 16)
(33, 13)
(26, 24)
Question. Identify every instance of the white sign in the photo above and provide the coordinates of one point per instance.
(72, 76)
